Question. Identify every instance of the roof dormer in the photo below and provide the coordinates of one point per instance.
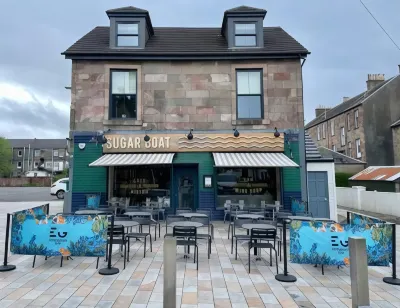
(130, 27)
(243, 27)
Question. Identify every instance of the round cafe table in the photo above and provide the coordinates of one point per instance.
(185, 224)
(250, 216)
(138, 214)
(190, 215)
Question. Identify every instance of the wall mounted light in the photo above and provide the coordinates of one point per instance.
(99, 138)
(190, 135)
(276, 134)
(236, 133)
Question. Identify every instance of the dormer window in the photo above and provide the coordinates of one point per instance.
(245, 35)
(127, 35)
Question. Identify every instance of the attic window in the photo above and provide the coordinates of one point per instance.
(127, 35)
(245, 35)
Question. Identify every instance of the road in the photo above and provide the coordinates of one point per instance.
(24, 194)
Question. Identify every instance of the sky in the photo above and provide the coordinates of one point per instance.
(345, 42)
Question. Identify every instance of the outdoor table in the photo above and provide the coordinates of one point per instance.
(126, 223)
(138, 214)
(185, 224)
(250, 216)
(257, 226)
(90, 212)
(275, 208)
(190, 215)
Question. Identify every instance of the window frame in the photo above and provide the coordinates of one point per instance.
(358, 148)
(324, 130)
(37, 151)
(19, 153)
(110, 99)
(36, 164)
(260, 70)
(349, 148)
(348, 122)
(342, 136)
(19, 165)
(129, 35)
(234, 34)
(55, 153)
(318, 132)
(332, 127)
(334, 148)
(48, 165)
(356, 119)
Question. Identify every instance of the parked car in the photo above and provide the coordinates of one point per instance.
(59, 188)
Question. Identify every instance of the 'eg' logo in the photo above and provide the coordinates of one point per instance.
(58, 234)
(334, 244)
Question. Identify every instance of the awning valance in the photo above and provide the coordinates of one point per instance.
(132, 160)
(253, 160)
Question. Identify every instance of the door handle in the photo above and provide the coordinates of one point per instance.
(326, 199)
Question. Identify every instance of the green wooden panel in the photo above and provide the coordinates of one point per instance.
(291, 176)
(204, 160)
(85, 178)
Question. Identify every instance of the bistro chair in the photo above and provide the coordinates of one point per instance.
(183, 211)
(169, 220)
(209, 214)
(257, 211)
(234, 211)
(238, 224)
(262, 238)
(187, 236)
(205, 221)
(118, 239)
(139, 235)
(279, 236)
(145, 220)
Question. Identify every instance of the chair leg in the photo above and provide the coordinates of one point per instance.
(194, 254)
(97, 264)
(155, 232)
(209, 247)
(232, 245)
(34, 260)
(159, 231)
(276, 261)
(125, 255)
(197, 253)
(249, 257)
(236, 254)
(144, 248)
(270, 257)
(129, 247)
(151, 244)
(62, 258)
(280, 251)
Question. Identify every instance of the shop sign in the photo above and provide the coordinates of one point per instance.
(316, 242)
(201, 142)
(34, 233)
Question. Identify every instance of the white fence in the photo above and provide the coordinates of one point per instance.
(358, 198)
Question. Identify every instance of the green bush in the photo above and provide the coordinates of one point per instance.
(62, 175)
(342, 179)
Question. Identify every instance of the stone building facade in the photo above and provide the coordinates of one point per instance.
(182, 88)
(366, 121)
(199, 95)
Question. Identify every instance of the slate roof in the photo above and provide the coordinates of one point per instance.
(397, 123)
(186, 42)
(39, 143)
(347, 105)
(381, 173)
(339, 158)
(127, 9)
(245, 9)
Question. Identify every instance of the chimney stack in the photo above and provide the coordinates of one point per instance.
(345, 98)
(374, 80)
(320, 110)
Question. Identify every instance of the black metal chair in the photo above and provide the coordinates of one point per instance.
(205, 221)
(169, 220)
(140, 235)
(118, 239)
(262, 238)
(279, 237)
(145, 220)
(237, 224)
(209, 214)
(234, 211)
(187, 236)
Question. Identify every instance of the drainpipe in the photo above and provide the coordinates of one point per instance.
(29, 154)
(304, 132)
(23, 161)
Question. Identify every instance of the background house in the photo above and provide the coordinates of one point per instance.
(361, 126)
(381, 178)
(46, 155)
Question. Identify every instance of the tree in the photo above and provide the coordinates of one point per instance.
(5, 157)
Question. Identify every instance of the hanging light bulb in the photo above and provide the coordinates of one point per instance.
(190, 135)
(277, 134)
(236, 132)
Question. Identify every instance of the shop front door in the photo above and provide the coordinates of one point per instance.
(185, 187)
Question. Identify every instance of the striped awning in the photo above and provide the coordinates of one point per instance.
(110, 160)
(253, 160)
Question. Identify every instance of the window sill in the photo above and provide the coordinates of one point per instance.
(123, 122)
(250, 122)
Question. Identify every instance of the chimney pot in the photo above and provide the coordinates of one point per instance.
(345, 98)
(374, 80)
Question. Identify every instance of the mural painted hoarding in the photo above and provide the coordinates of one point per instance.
(314, 242)
(35, 233)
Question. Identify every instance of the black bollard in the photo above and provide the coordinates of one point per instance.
(110, 270)
(7, 267)
(285, 277)
(393, 280)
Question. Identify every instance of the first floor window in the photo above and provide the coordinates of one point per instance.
(324, 130)
(48, 165)
(55, 153)
(349, 149)
(37, 153)
(19, 165)
(348, 122)
(356, 119)
(123, 94)
(318, 133)
(56, 166)
(358, 147)
(20, 153)
(249, 94)
(342, 137)
(333, 127)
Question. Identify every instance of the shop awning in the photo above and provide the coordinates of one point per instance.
(253, 160)
(110, 160)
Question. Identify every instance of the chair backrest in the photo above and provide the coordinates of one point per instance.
(203, 220)
(263, 234)
(190, 232)
(238, 223)
(118, 231)
(174, 218)
(183, 211)
(205, 212)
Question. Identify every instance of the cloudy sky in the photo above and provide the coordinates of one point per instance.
(345, 42)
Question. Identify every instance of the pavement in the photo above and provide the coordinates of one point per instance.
(25, 194)
(220, 281)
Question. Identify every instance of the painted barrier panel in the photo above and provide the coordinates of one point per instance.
(315, 242)
(298, 206)
(58, 235)
(358, 219)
